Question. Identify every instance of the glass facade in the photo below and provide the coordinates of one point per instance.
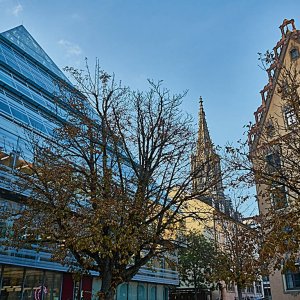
(29, 102)
(20, 37)
(29, 284)
(142, 291)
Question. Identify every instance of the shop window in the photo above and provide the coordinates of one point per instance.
(34, 285)
(294, 53)
(122, 292)
(166, 293)
(12, 282)
(153, 295)
(292, 281)
(141, 291)
(28, 284)
(52, 285)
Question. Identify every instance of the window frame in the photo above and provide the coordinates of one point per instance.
(293, 280)
(277, 202)
(290, 117)
(294, 53)
(273, 161)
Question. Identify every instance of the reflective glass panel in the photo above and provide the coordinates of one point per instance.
(153, 293)
(141, 292)
(33, 284)
(19, 115)
(12, 283)
(36, 124)
(123, 291)
(52, 285)
(4, 107)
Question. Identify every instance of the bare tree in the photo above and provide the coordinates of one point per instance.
(270, 160)
(106, 191)
(237, 253)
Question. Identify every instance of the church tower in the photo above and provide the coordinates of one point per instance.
(206, 167)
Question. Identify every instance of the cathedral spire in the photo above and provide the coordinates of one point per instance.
(204, 143)
(205, 166)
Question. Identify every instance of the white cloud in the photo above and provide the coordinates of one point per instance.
(17, 9)
(71, 49)
(75, 16)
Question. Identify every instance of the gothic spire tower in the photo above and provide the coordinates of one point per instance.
(204, 143)
(206, 168)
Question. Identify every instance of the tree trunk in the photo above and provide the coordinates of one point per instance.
(222, 288)
(195, 283)
(108, 295)
(107, 291)
(240, 293)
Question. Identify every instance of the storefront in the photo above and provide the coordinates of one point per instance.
(25, 283)
(19, 283)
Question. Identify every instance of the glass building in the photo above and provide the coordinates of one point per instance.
(27, 104)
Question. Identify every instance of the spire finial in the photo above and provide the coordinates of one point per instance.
(201, 101)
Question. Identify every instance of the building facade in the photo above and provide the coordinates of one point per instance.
(214, 210)
(274, 148)
(28, 104)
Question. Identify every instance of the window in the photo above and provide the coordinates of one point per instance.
(270, 128)
(279, 196)
(141, 292)
(230, 287)
(3, 228)
(122, 292)
(153, 293)
(250, 289)
(290, 116)
(273, 162)
(4, 107)
(12, 282)
(294, 54)
(166, 293)
(19, 115)
(292, 281)
(258, 287)
(37, 124)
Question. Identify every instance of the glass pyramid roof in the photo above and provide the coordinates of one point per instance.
(23, 39)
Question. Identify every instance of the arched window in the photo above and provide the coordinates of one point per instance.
(141, 291)
(123, 292)
(153, 293)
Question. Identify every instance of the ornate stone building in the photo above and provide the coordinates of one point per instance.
(274, 147)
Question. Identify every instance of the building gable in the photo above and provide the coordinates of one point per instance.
(21, 38)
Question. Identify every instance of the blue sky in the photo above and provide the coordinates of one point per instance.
(206, 47)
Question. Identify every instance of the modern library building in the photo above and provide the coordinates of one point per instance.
(27, 104)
